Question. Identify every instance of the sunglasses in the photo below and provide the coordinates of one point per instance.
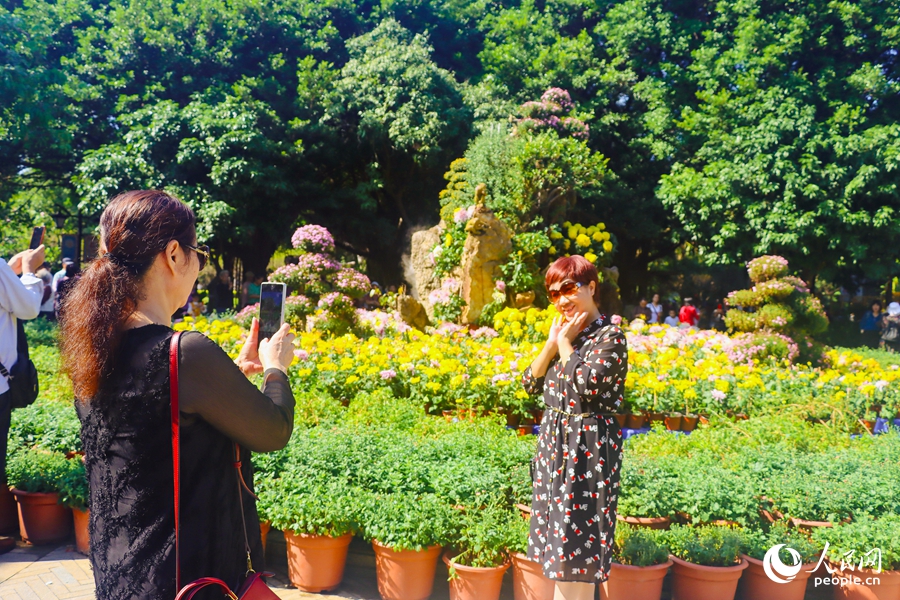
(567, 289)
(202, 254)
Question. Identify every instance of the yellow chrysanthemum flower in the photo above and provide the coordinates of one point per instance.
(597, 236)
(583, 241)
(607, 246)
(551, 251)
(590, 256)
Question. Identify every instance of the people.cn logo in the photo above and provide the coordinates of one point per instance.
(776, 570)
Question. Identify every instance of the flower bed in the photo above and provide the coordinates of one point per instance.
(381, 468)
(670, 369)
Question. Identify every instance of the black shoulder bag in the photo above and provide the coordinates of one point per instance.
(22, 377)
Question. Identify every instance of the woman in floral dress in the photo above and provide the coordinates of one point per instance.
(581, 372)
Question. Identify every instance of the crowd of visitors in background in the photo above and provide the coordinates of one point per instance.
(683, 314)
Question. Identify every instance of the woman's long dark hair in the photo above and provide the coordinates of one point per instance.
(134, 228)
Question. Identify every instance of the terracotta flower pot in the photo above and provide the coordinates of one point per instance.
(42, 519)
(264, 528)
(698, 582)
(316, 562)
(673, 422)
(405, 574)
(621, 418)
(634, 583)
(808, 525)
(655, 416)
(529, 581)
(525, 510)
(9, 513)
(82, 531)
(689, 422)
(888, 587)
(756, 585)
(649, 522)
(634, 421)
(475, 583)
(868, 424)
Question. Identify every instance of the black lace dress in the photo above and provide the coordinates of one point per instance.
(126, 435)
(577, 466)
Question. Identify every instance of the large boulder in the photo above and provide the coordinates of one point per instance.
(488, 243)
(422, 263)
(412, 312)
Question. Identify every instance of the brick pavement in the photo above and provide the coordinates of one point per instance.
(60, 573)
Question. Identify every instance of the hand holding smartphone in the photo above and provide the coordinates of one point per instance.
(271, 308)
(37, 237)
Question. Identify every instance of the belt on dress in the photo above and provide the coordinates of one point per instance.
(582, 415)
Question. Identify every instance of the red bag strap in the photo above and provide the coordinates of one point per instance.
(195, 586)
(176, 446)
(192, 588)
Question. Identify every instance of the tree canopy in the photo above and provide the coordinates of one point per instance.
(730, 129)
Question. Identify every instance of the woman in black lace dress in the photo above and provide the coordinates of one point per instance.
(115, 338)
(581, 372)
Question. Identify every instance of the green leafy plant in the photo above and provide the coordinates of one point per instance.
(482, 535)
(47, 424)
(757, 541)
(640, 546)
(35, 470)
(646, 487)
(862, 540)
(517, 534)
(707, 545)
(73, 485)
(40, 332)
(403, 521)
(314, 507)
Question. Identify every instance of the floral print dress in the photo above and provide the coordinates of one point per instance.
(576, 468)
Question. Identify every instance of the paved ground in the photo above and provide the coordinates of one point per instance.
(60, 573)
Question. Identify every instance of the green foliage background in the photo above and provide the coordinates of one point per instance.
(731, 129)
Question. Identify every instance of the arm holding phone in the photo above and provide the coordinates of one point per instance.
(258, 356)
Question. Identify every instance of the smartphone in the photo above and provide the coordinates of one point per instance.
(37, 237)
(271, 308)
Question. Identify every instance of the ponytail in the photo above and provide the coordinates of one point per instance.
(134, 228)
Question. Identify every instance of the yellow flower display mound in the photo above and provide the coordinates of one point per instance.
(670, 370)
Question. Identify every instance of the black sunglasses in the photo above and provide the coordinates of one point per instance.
(202, 254)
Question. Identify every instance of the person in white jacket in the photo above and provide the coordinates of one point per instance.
(20, 298)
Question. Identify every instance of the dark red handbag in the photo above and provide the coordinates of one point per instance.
(254, 587)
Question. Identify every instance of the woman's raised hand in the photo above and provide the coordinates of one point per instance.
(277, 352)
(570, 329)
(555, 326)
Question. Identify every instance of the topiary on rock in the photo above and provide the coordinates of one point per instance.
(778, 306)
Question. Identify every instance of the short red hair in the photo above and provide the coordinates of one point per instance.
(577, 268)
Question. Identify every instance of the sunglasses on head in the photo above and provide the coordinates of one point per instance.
(202, 254)
(567, 289)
